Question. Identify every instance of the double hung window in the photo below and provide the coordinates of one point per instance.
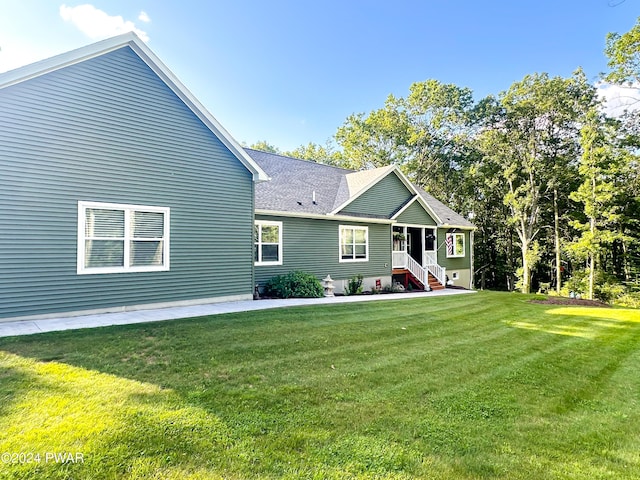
(115, 238)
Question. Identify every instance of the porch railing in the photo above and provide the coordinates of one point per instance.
(437, 271)
(399, 259)
(404, 260)
(417, 271)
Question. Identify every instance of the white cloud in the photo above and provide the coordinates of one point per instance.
(143, 17)
(618, 98)
(96, 24)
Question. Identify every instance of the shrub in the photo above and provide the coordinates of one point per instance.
(354, 285)
(294, 285)
(578, 283)
(607, 288)
(630, 300)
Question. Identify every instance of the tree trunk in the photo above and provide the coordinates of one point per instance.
(592, 261)
(556, 233)
(510, 274)
(625, 261)
(526, 269)
(592, 228)
(592, 264)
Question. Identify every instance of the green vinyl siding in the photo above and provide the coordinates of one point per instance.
(109, 130)
(312, 245)
(455, 262)
(381, 200)
(415, 214)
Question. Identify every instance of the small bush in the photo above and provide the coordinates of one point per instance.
(578, 283)
(294, 285)
(629, 300)
(354, 285)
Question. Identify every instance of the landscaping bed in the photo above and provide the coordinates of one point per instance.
(571, 301)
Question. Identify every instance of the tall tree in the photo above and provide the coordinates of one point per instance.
(533, 141)
(424, 133)
(623, 52)
(600, 166)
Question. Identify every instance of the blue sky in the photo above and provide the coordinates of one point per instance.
(291, 71)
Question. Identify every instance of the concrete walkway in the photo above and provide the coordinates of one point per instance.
(29, 327)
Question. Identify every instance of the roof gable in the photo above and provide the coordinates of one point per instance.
(139, 48)
(382, 197)
(414, 212)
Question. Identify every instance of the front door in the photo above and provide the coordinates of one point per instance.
(430, 251)
(414, 244)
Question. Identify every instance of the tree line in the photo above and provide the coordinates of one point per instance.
(552, 179)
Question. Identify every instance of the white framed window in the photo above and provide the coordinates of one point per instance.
(117, 238)
(455, 245)
(354, 243)
(267, 238)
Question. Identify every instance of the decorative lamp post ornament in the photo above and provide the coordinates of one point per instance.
(328, 286)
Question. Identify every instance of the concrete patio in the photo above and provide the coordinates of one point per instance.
(29, 327)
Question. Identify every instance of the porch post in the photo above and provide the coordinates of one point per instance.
(423, 246)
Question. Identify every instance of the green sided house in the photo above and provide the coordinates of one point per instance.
(117, 188)
(331, 221)
(120, 191)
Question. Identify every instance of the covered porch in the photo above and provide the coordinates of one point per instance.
(415, 256)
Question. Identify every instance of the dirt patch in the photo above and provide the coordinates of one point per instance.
(571, 301)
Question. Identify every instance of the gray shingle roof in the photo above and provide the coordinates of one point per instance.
(295, 183)
(447, 216)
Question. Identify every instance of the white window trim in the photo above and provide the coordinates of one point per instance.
(464, 246)
(259, 262)
(82, 207)
(366, 238)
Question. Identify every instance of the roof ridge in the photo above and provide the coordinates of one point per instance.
(311, 162)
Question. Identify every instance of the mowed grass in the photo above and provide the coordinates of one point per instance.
(473, 386)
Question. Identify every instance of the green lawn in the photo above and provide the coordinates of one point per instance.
(472, 386)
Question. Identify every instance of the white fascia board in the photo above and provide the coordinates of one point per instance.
(62, 60)
(345, 218)
(150, 58)
(406, 182)
(407, 205)
(466, 227)
(131, 40)
(421, 200)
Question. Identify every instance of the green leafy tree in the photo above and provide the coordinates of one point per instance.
(318, 153)
(600, 165)
(623, 52)
(426, 134)
(265, 146)
(531, 142)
